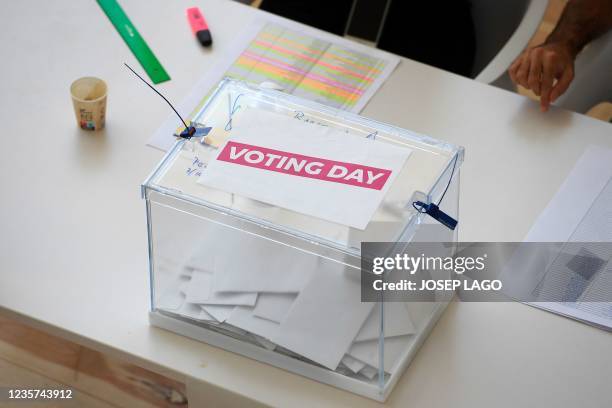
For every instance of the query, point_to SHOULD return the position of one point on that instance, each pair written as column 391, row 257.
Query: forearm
column 581, row 22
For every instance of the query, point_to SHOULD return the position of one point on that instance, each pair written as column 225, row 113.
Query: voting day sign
column 299, row 165
column 307, row 168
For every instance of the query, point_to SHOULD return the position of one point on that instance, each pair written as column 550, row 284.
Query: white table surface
column 73, row 239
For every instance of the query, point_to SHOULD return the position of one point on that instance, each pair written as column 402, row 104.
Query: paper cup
column 89, row 100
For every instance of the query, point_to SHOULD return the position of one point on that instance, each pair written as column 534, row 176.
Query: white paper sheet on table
column 162, row 139
column 352, row 205
column 589, row 185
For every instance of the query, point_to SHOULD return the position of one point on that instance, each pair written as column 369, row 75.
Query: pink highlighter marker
column 199, row 26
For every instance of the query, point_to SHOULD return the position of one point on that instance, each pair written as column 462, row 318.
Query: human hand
column 547, row 70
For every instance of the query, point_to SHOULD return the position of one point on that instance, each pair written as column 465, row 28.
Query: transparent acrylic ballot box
column 248, row 265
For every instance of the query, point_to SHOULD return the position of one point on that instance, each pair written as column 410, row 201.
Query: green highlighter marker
column 134, row 41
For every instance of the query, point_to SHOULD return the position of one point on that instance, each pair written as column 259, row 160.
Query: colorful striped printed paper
column 308, row 67
column 305, row 63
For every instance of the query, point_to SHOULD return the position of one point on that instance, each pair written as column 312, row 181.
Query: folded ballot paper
column 255, row 233
column 287, row 300
column 317, row 316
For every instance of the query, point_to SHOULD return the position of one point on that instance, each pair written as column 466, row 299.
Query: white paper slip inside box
column 352, row 364
column 264, row 342
column 368, row 351
column 274, row 306
column 325, row 317
column 219, row 312
column 193, row 311
column 368, row 372
column 261, row 266
column 200, row 290
column 243, row 318
column 397, row 322
column 311, row 169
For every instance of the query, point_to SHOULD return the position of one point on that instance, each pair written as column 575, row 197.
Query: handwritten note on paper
column 305, row 167
column 196, row 167
column 185, row 171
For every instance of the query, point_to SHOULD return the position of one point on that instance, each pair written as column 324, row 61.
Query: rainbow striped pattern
column 307, row 67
